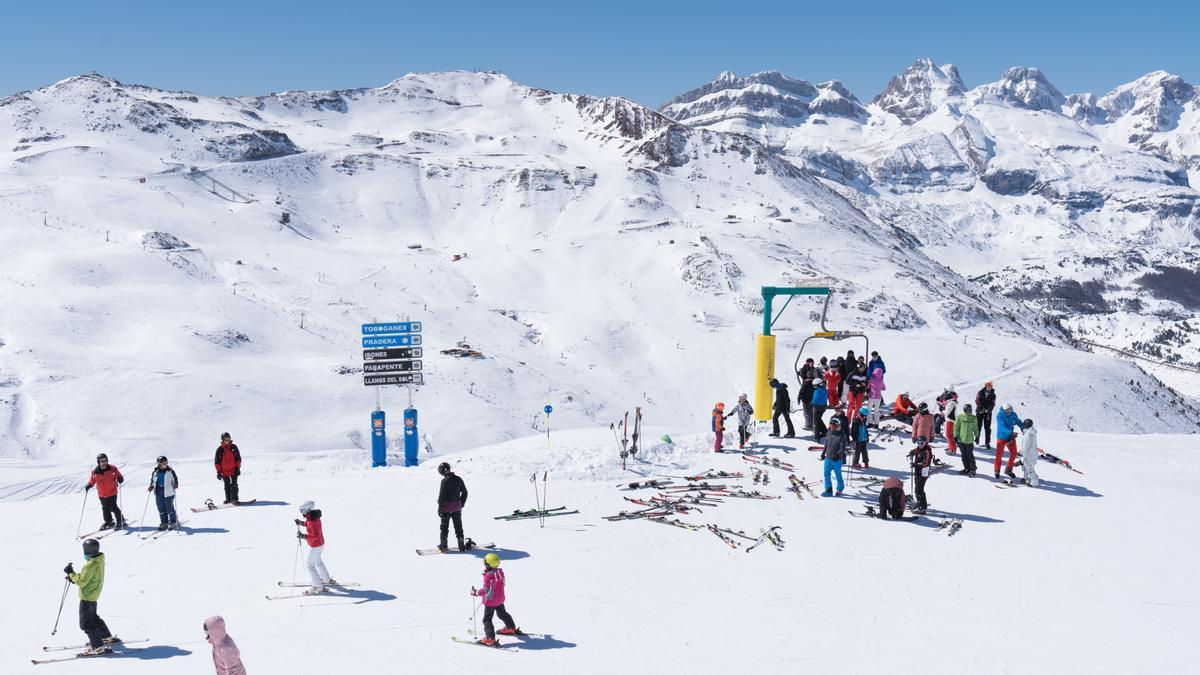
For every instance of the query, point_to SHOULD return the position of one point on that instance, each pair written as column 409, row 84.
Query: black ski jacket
column 985, row 401
column 783, row 400
column 453, row 493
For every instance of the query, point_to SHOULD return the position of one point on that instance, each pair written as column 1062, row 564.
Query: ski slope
column 1091, row 573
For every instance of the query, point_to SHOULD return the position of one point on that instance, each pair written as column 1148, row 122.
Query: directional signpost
column 392, row 355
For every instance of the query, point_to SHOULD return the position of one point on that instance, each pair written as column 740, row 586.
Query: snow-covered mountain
column 592, row 250
column 1035, row 193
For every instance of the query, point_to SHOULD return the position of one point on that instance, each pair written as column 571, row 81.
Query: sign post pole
column 391, row 355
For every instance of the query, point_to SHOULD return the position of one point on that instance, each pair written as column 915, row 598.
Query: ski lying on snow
column 288, row 584
column 434, row 551
column 527, row 515
column 496, row 648
column 645, row 484
column 118, row 641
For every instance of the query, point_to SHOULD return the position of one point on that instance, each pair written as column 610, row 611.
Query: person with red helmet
column 107, row 479
column 228, row 462
column 718, row 424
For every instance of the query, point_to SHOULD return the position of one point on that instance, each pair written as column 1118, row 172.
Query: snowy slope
column 1005, row 178
column 1034, row 573
column 608, row 250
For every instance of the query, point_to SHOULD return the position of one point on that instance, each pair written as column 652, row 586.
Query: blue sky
column 646, row 51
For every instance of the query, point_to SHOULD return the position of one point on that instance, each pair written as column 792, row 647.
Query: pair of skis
column 769, row 461
column 210, row 506
column 537, row 513
column 104, row 532
column 327, row 590
column 727, row 535
column 112, row 642
column 872, row 513
column 950, row 525
column 155, row 534
column 642, row 485
column 799, row 484
column 771, row 535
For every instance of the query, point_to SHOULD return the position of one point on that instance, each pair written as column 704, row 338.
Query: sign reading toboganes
column 391, row 354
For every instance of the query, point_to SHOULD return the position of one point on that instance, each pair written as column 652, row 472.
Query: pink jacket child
column 493, row 601
column 226, row 656
column 493, row 587
column 875, row 386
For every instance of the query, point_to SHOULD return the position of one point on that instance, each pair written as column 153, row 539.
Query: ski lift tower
column 764, row 366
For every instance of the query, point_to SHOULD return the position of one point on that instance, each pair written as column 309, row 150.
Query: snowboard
column 434, row 551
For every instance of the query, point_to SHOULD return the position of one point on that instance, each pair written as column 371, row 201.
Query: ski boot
column 462, row 546
column 106, row 526
column 838, row 493
column 162, row 527
column 315, row 591
column 442, row 548
column 96, row 651
column 509, row 631
column 1010, row 473
column 489, row 642
column 114, row 640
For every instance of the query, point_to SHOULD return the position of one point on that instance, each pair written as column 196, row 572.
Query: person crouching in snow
column 1029, row 453
column 314, row 535
column 834, row 456
column 226, row 656
column 718, row 424
column 891, row 499
column 493, row 601
column 744, row 412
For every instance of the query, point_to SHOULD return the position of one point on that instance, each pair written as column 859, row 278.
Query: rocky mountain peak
column 1026, row 88
column 919, row 90
column 767, row 96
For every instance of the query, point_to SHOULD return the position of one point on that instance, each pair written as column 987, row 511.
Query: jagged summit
column 1024, row 88
column 767, row 97
column 919, row 90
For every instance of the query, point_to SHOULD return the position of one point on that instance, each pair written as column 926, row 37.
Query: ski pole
column 82, row 508
column 545, row 504
column 296, row 563
column 145, row 507
column 66, row 585
column 533, row 481
column 474, row 610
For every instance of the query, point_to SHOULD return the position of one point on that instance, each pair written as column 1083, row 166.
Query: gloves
column 69, row 569
column 299, row 522
column 87, row 487
column 237, row 472
column 474, row 592
column 120, row 481
column 150, row 489
column 299, row 535
column 218, row 475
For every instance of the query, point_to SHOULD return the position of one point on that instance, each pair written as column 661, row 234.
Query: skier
column 857, row 387
column 966, row 430
column 921, row 458
column 783, row 406
column 90, row 581
column 452, row 497
column 859, row 433
column 163, row 483
column 493, row 601
column 744, row 412
column 985, row 403
column 820, row 403
column 107, row 478
column 833, row 382
column 846, row 368
column 876, row 363
column 904, row 410
column 834, row 455
column 718, row 424
column 1007, row 423
column 875, row 389
column 806, row 396
column 948, row 402
column 891, row 499
column 808, row 371
column 226, row 656
column 228, row 461
column 822, row 366
column 922, row 424
column 1029, row 453
column 314, row 536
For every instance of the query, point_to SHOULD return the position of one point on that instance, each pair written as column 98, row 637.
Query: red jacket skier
column 228, row 462
column 106, row 477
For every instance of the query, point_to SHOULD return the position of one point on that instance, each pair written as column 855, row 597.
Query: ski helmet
column 307, row 506
column 835, row 422
column 226, row 437
column 864, row 411
column 818, row 382
column 1008, row 407
column 967, row 408
column 161, row 458
column 1028, row 423
column 921, row 440
column 923, row 407
column 904, row 394
column 949, row 387
column 492, row 560
column 101, row 456
column 444, row 468
column 720, row 405
column 774, row 383
column 91, row 548
column 742, row 397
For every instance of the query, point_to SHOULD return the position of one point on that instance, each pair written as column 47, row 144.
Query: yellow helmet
column 492, row 560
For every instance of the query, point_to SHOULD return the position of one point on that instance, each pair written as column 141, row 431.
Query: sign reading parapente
column 392, row 367
column 403, row 378
column 392, row 354
column 391, row 328
column 392, row 341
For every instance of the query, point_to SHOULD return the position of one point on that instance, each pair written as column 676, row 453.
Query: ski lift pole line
column 764, row 366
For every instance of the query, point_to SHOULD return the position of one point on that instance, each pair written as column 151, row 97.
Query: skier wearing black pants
column 452, row 497
column 891, row 499
column 985, row 403
column 921, row 457
column 783, row 406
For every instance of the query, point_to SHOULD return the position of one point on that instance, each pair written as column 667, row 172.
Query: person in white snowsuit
column 745, row 413
column 1029, row 453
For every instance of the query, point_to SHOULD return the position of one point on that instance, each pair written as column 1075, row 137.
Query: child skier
column 744, row 412
column 228, row 461
column 948, row 405
column 493, row 601
column 314, row 536
column 875, row 389
column 164, row 483
column 226, row 656
column 1029, row 453
column 834, row 455
column 718, row 424
column 1007, row 423
column 820, row 402
column 921, row 458
column 922, row 424
column 859, row 433
column 90, row 581
column 107, row 478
